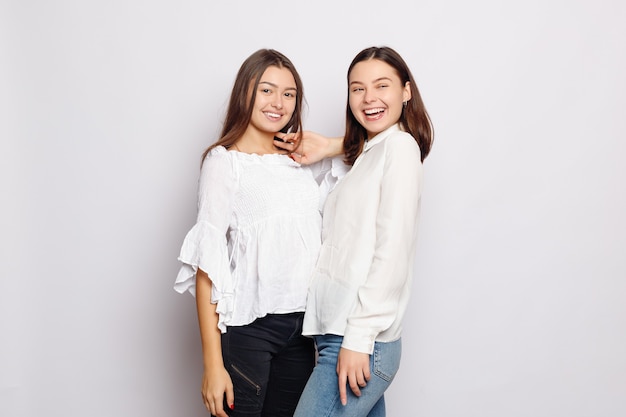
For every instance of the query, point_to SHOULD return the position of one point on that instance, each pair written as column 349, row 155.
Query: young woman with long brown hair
column 361, row 283
column 250, row 255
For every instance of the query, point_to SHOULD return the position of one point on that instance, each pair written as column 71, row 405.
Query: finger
column 205, row 400
column 216, row 406
column 343, row 396
column 292, row 137
column 285, row 137
column 361, row 380
column 296, row 157
column 230, row 397
column 219, row 410
column 280, row 136
column 354, row 386
column 279, row 139
column 366, row 373
column 282, row 143
column 285, row 146
column 210, row 406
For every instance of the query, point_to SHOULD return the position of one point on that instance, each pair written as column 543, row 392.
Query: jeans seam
column 331, row 407
column 377, row 371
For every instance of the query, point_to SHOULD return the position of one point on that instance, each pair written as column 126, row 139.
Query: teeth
column 273, row 114
column 374, row 111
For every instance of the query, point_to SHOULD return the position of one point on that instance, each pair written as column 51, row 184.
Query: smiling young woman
column 250, row 255
column 361, row 284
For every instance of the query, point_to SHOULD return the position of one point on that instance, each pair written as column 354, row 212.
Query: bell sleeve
column 205, row 246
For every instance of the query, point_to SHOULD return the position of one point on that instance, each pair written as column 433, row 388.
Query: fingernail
column 232, row 406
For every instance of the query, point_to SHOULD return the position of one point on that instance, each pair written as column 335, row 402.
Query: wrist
column 213, row 358
column 213, row 363
column 335, row 147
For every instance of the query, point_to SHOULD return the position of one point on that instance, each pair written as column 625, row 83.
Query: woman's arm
column 215, row 380
column 311, row 147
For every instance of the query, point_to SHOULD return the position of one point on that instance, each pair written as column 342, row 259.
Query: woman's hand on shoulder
column 216, row 383
column 309, row 147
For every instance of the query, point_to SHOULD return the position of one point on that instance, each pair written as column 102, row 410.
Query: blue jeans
column 321, row 394
column 269, row 362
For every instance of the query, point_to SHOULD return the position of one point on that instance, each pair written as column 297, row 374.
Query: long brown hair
column 239, row 110
column 414, row 118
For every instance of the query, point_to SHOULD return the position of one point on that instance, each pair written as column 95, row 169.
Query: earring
column 404, row 103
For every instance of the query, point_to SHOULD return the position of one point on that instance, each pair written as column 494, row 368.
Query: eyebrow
column 375, row 81
column 275, row 86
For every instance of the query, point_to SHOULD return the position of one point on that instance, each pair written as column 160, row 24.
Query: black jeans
column 269, row 362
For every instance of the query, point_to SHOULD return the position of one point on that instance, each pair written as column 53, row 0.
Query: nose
column 278, row 101
column 369, row 96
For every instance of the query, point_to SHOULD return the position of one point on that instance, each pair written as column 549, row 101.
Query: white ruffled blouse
column 258, row 232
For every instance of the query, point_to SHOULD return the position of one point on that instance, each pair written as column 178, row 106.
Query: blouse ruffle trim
column 272, row 158
column 205, row 247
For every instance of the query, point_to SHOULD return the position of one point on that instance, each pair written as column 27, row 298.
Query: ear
column 406, row 94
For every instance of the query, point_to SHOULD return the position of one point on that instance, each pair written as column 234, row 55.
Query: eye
column 382, row 86
column 290, row 95
column 357, row 89
column 266, row 90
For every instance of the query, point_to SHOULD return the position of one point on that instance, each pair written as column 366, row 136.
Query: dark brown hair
column 414, row 118
column 240, row 107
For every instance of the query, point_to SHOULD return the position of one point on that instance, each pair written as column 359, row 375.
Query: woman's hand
column 353, row 368
column 215, row 383
column 308, row 147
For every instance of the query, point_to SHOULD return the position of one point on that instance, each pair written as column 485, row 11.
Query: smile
column 273, row 115
column 371, row 112
column 374, row 114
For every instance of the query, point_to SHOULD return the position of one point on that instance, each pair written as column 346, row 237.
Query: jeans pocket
column 386, row 359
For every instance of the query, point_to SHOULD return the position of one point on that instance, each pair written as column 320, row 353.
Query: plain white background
column 519, row 306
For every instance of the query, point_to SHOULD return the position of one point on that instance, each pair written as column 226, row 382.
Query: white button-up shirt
column 362, row 279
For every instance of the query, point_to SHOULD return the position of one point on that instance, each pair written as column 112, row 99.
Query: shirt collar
column 381, row 136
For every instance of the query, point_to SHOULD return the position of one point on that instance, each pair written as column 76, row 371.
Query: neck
column 256, row 141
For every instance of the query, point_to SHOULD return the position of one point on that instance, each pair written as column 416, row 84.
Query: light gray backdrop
column 519, row 306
